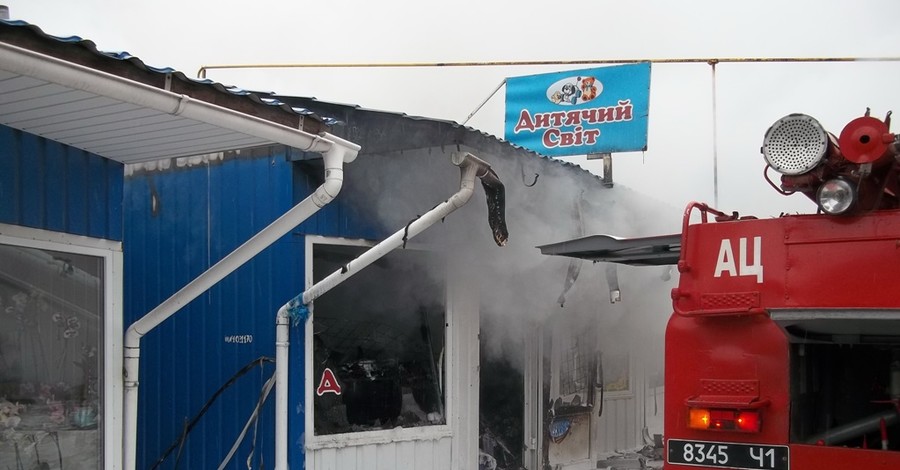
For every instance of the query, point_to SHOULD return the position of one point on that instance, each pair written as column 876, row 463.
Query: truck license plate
column 728, row 455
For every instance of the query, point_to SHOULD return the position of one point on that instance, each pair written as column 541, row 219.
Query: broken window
column 578, row 363
column 51, row 323
column 576, row 370
column 616, row 372
column 379, row 342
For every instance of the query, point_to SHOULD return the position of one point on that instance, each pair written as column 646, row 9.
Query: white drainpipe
column 335, row 151
column 282, row 346
column 341, row 152
column 470, row 167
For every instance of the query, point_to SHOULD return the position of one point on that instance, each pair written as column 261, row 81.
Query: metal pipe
column 340, row 152
column 855, row 429
column 514, row 63
column 470, row 167
column 282, row 347
column 894, row 387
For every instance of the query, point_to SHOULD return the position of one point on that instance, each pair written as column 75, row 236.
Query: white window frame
column 113, row 323
column 628, row 392
column 421, row 433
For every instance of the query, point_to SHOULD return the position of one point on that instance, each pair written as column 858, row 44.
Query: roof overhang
column 845, row 326
column 122, row 119
column 646, row 251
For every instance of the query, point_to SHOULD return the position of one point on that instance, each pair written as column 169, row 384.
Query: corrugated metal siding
column 423, row 454
column 202, row 213
column 620, row 427
column 47, row 185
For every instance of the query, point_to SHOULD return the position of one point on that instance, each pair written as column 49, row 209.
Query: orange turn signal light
column 724, row 420
column 698, row 418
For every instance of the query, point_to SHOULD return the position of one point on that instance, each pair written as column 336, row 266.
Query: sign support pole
column 607, row 167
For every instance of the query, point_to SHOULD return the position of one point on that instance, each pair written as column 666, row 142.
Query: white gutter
column 470, row 167
column 50, row 69
column 335, row 151
column 340, row 152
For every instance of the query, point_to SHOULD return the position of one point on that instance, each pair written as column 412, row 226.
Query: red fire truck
column 783, row 350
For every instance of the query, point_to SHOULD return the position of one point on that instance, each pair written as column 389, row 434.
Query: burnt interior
column 500, row 417
column 381, row 335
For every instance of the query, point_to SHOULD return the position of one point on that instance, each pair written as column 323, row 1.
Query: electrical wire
column 184, row 430
column 201, row 73
column 255, row 439
column 262, row 399
column 187, row 429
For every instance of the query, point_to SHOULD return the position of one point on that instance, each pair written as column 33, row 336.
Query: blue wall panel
column 10, row 175
column 32, row 185
column 47, row 185
column 179, row 222
column 55, row 178
column 76, row 194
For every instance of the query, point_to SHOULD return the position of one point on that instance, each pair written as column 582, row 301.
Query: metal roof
column 131, row 133
column 125, row 130
column 341, row 114
column 645, row 251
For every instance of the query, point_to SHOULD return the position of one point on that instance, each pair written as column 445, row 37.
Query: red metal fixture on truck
column 783, row 351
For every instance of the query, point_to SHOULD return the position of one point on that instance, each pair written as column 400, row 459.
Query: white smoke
column 520, row 287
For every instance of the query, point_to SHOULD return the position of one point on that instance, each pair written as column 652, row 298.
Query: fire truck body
column 783, row 350
column 783, row 345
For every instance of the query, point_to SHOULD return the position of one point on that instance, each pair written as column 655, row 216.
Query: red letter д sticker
column 328, row 384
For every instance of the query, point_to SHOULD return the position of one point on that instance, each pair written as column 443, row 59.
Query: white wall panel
column 416, row 454
column 452, row 446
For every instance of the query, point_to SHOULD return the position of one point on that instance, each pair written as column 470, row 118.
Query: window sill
column 618, row 395
column 425, row 433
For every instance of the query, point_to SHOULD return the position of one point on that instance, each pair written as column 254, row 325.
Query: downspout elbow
column 334, row 181
column 470, row 168
column 466, row 186
column 341, row 151
column 132, row 337
column 131, row 358
column 293, row 310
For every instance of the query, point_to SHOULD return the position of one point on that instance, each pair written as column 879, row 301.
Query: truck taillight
column 724, row 420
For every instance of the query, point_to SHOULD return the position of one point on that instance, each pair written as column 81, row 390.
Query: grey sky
column 677, row 167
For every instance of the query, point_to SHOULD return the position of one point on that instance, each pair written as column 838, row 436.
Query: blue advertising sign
column 599, row 110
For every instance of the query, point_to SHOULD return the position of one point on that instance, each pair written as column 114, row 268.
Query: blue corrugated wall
column 179, row 222
column 51, row 186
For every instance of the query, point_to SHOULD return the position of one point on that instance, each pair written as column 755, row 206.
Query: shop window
column 578, row 363
column 616, row 372
column 379, row 342
column 51, row 323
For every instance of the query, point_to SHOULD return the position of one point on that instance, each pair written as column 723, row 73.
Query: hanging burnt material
column 571, row 276
column 574, row 264
column 496, row 202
